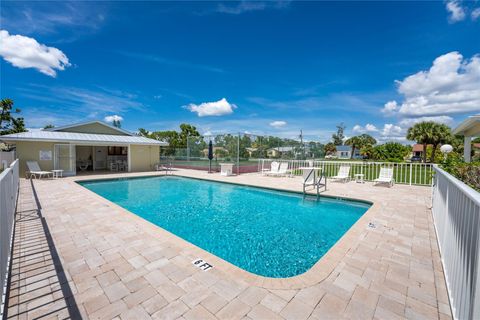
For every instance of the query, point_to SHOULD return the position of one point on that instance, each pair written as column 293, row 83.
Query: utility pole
column 301, row 143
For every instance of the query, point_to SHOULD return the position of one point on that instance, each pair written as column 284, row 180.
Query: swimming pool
column 269, row 233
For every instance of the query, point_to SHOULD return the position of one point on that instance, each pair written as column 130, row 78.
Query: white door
column 65, row 159
column 101, row 158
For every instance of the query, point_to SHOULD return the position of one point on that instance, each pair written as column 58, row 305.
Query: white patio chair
column 385, row 176
column 274, row 166
column 343, row 174
column 282, row 170
column 113, row 166
column 34, row 170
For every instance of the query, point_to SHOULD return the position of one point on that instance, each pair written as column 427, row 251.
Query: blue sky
column 258, row 67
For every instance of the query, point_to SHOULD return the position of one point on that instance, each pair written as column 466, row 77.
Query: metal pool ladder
column 313, row 179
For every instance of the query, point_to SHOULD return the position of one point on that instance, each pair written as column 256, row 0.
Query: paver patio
column 118, row 265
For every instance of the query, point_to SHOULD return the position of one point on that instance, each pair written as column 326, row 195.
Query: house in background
column 87, row 146
column 217, row 152
column 278, row 152
column 345, row 152
column 417, row 150
column 292, row 152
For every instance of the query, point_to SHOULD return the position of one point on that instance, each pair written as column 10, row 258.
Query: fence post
column 238, row 154
column 410, row 179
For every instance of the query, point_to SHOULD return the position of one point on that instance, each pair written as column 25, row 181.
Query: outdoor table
column 359, row 178
column 226, row 169
column 57, row 173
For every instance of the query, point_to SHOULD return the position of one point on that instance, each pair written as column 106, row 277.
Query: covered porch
column 101, row 158
column 469, row 128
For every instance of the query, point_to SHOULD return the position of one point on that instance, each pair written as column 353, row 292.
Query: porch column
column 467, row 149
column 129, row 159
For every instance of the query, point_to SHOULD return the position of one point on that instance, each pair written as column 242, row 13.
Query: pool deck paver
column 121, row 266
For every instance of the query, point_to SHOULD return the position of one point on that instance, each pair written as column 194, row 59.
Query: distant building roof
column 417, row 147
column 80, row 138
column 283, row 149
column 344, row 148
column 79, row 124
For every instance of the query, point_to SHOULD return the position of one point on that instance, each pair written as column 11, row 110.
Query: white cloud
column 217, row 108
column 112, row 118
column 475, row 14
column 391, row 130
column 247, row 6
column 157, row 97
column 408, row 122
column 25, row 52
column 451, row 85
column 390, row 108
column 368, row 128
column 278, row 124
column 457, row 12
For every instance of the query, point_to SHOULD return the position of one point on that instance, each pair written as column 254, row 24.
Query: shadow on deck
column 38, row 285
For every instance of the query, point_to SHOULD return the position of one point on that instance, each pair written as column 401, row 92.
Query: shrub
column 468, row 173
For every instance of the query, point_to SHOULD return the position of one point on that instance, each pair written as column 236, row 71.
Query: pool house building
column 85, row 147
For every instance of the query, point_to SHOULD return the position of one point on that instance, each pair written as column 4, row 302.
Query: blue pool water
column 269, row 233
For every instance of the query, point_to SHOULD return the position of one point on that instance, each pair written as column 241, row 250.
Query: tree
column 441, row 134
column 366, row 151
column 354, row 142
column 48, row 126
column 116, row 123
column 429, row 132
column 358, row 142
column 330, row 149
column 187, row 130
column 422, row 133
column 391, row 151
column 339, row 136
column 175, row 140
column 366, row 139
column 8, row 122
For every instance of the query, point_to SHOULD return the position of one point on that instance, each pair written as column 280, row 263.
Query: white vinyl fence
column 8, row 203
column 404, row 173
column 456, row 213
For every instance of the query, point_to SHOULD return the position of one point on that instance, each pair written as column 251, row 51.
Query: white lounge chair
column 343, row 174
column 34, row 170
column 274, row 166
column 385, row 176
column 282, row 170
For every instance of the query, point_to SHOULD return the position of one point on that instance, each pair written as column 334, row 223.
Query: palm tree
column 354, row 142
column 367, row 139
column 330, row 148
column 367, row 151
column 441, row 134
column 422, row 133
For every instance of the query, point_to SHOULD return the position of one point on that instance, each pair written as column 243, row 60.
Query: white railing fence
column 456, row 213
column 404, row 173
column 8, row 202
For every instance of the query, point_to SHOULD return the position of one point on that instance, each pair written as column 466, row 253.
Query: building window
column 117, row 151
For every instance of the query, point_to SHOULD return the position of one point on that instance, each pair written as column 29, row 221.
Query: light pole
column 446, row 149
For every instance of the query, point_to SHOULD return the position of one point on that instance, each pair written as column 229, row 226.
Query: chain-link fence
column 242, row 150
